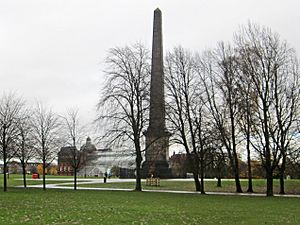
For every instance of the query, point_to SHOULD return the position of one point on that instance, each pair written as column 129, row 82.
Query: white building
column 98, row 161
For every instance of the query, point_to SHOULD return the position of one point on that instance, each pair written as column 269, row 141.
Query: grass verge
column 17, row 180
column 35, row 206
column 259, row 186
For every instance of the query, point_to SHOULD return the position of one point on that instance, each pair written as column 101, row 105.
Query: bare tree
column 271, row 66
column 74, row 134
column 187, row 113
column 125, row 99
column 181, row 88
column 45, row 130
column 247, row 98
column 286, row 105
column 10, row 109
column 24, row 142
column 219, row 75
column 219, row 162
column 293, row 163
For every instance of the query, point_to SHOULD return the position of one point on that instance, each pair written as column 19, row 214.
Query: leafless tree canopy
column 73, row 133
column 46, row 134
column 10, row 111
column 250, row 89
column 124, row 102
column 24, row 144
column 187, row 113
column 125, row 96
column 272, row 68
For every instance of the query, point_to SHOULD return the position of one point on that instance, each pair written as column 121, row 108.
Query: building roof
column 88, row 146
column 66, row 150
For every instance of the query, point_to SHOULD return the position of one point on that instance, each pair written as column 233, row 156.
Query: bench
column 152, row 181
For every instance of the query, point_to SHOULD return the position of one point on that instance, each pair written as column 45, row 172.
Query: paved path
column 68, row 185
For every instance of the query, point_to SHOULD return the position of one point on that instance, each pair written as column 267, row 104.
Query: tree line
column 36, row 133
column 242, row 95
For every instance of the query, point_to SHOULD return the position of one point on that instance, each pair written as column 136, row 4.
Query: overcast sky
column 53, row 50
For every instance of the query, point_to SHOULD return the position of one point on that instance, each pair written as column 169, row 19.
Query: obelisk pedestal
column 157, row 136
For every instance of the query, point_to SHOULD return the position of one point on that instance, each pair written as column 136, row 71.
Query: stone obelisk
column 157, row 136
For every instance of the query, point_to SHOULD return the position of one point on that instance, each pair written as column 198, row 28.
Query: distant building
column 95, row 162
column 179, row 165
column 65, row 161
column 15, row 167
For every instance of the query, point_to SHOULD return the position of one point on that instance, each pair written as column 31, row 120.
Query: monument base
column 156, row 169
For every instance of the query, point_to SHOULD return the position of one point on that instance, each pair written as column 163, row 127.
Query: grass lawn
column 259, row 186
column 35, row 206
column 17, row 180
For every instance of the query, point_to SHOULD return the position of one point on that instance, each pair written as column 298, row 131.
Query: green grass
column 259, row 186
column 16, row 180
column 34, row 206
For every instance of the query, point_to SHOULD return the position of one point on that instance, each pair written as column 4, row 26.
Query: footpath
column 68, row 185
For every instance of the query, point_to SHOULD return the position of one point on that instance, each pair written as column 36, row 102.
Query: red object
column 35, row 176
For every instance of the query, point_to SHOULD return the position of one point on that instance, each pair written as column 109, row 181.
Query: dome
column 88, row 139
column 88, row 146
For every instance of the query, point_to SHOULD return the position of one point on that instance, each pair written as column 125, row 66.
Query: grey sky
column 53, row 50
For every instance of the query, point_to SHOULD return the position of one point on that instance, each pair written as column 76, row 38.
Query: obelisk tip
column 157, row 10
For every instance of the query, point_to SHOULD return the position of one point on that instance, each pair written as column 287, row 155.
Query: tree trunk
column 75, row 178
column 202, row 176
column 281, row 179
column 4, row 162
column 24, row 173
column 268, row 160
column 4, row 174
column 236, row 174
column 250, row 189
column 138, row 184
column 219, row 184
column 282, row 172
column 202, row 183
column 233, row 160
column 197, row 182
column 237, row 183
column 194, row 160
column 236, row 162
column 269, row 183
column 44, row 174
